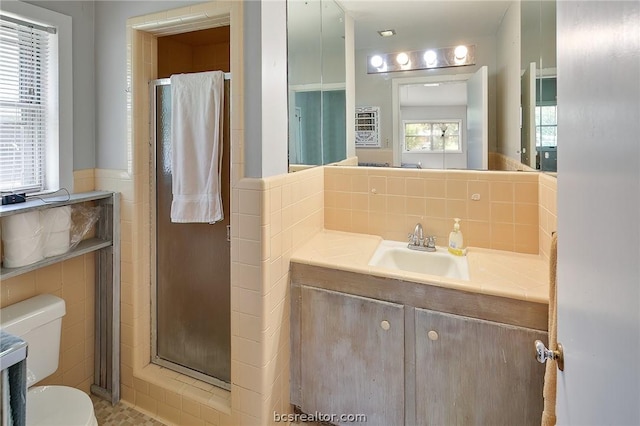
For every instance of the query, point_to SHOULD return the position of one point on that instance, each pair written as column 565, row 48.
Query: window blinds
column 24, row 91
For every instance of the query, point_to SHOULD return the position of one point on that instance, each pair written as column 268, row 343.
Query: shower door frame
column 155, row 359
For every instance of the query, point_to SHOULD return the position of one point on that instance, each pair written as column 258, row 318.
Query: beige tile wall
column 271, row 218
column 72, row 280
column 498, row 161
column 547, row 211
column 84, row 180
column 161, row 393
column 389, row 202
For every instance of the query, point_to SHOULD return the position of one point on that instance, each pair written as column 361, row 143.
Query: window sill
column 432, row 152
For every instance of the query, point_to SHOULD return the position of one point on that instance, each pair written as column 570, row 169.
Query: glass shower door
column 192, row 270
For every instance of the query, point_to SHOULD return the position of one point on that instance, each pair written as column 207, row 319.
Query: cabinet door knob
column 385, row 325
column 432, row 335
column 543, row 354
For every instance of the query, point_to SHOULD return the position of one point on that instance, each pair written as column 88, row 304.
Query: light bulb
column 460, row 52
column 376, row 61
column 430, row 57
column 402, row 58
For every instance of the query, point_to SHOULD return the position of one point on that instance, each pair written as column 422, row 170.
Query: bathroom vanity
column 412, row 349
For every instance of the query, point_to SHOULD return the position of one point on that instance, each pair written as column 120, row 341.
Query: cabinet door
column 475, row 372
column 352, row 357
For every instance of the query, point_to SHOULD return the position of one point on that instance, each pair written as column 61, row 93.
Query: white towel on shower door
column 196, row 121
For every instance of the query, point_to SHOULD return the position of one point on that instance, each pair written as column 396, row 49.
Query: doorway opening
column 190, row 262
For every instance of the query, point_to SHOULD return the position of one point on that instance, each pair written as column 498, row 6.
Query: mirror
column 539, row 102
column 440, row 122
column 316, row 79
column 432, row 117
column 494, row 27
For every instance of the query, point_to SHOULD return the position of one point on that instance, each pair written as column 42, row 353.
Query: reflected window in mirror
column 546, row 124
column 432, row 136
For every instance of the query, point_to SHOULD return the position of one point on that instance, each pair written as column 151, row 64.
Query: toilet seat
column 59, row 405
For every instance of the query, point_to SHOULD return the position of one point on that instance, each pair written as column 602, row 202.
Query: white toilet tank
column 38, row 321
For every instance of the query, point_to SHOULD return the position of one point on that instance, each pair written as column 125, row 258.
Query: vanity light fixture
column 402, row 58
column 442, row 57
column 376, row 61
column 460, row 52
column 431, row 58
column 387, row 33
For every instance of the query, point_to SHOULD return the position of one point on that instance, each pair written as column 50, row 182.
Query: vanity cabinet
column 408, row 353
column 349, row 356
column 475, row 372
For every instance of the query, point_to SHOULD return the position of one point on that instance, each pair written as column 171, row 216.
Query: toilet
column 38, row 321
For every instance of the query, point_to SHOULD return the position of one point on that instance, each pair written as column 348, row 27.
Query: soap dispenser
column 456, row 241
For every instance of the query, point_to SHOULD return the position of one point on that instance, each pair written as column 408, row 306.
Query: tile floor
column 120, row 414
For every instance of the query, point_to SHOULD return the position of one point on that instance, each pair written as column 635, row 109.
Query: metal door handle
column 543, row 354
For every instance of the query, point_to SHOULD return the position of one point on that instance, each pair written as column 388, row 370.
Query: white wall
column 350, row 84
column 598, row 212
column 265, row 88
column 508, row 83
column 110, row 77
column 265, row 82
column 538, row 29
column 433, row 160
column 82, row 15
column 312, row 66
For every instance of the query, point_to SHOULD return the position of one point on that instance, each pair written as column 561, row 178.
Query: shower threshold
column 191, row 373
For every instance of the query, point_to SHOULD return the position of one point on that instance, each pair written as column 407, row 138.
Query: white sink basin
column 396, row 255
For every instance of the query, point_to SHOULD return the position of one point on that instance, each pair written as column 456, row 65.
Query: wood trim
column 475, row 305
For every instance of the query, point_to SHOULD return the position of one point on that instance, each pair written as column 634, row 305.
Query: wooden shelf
column 84, row 247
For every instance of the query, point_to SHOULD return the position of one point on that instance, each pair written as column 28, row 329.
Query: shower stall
column 190, row 263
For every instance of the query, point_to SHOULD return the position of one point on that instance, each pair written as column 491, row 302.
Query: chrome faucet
column 417, row 238
column 417, row 241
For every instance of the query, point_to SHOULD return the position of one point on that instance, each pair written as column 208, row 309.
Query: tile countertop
column 494, row 272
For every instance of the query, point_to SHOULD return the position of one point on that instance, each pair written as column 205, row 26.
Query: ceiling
column 420, row 18
column 444, row 94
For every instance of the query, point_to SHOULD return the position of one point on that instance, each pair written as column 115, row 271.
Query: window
column 546, row 125
column 432, row 136
column 36, row 99
column 24, row 104
column 546, row 112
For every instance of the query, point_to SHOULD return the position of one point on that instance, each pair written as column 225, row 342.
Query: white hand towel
column 196, row 121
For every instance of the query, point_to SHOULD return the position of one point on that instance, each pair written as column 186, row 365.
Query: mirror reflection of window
column 546, row 112
column 426, row 136
column 546, row 125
